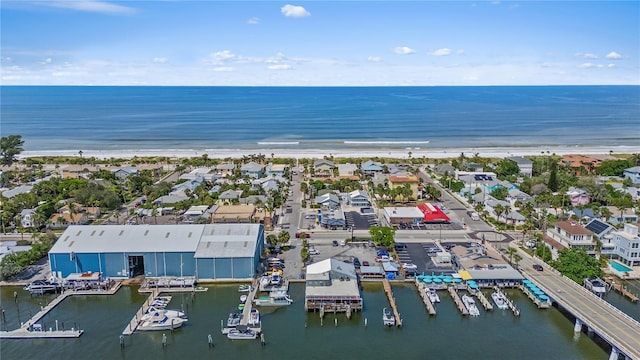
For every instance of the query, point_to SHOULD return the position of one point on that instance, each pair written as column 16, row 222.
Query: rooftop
column 404, row 212
column 573, row 228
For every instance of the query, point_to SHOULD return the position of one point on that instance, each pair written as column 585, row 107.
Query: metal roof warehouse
column 213, row 251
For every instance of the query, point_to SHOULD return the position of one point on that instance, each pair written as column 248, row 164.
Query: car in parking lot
column 356, row 262
column 313, row 251
column 538, row 267
column 343, row 243
column 334, row 243
column 365, row 263
column 408, row 266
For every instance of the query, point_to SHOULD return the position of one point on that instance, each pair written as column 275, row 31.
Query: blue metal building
column 215, row 251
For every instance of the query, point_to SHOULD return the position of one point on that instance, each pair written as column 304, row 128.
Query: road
column 610, row 323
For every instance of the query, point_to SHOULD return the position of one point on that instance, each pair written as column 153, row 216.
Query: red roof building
column 433, row 214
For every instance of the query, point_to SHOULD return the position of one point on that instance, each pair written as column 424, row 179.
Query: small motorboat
column 433, row 296
column 470, row 304
column 242, row 333
column 254, row 317
column 157, row 321
column 596, row 285
column 234, row 319
column 243, row 298
column 387, row 317
column 275, row 279
column 500, row 299
column 43, row 286
column 240, row 307
column 245, row 288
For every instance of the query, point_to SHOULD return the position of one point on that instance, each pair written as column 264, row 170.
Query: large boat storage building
column 213, row 251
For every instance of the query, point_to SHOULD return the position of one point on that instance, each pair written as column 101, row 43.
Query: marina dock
column 483, row 300
column 510, row 303
column 423, row 291
column 248, row 305
column 135, row 321
column 621, row 289
column 456, row 298
column 530, row 295
column 392, row 301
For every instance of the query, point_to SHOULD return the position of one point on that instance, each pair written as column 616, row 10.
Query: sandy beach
column 488, row 152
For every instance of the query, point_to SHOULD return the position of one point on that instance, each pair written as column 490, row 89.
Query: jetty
column 392, row 301
column 423, row 290
column 483, row 300
column 135, row 321
column 248, row 305
column 618, row 287
column 456, row 298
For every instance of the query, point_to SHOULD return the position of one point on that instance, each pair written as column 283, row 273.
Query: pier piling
column 210, row 340
column 164, row 340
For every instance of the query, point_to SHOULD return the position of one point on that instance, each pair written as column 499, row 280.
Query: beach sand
column 488, row 152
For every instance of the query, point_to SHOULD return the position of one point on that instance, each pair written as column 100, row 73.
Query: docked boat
column 276, row 279
column 242, row 333
column 596, row 286
column 43, row 286
column 275, row 298
column 254, row 317
column 470, row 304
column 160, row 322
column 500, row 299
column 234, row 319
column 161, row 302
column 243, row 299
column 387, row 317
column 433, row 296
column 245, row 288
column 170, row 313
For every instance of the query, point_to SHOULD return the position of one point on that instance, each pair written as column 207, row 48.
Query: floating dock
column 135, row 321
column 621, row 289
column 456, row 298
column 392, row 301
column 423, row 290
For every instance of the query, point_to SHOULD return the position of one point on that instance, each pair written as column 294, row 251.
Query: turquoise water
column 292, row 333
column 619, row 267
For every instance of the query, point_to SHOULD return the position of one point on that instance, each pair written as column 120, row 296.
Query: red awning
column 433, row 214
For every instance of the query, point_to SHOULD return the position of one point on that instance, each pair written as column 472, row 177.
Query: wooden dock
column 248, row 305
column 456, row 298
column 392, row 301
column 483, row 300
column 510, row 303
column 135, row 321
column 618, row 287
column 423, row 290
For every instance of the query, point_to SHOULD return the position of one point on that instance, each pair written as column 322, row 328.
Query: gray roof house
column 358, row 198
column 525, row 165
column 22, row 189
column 252, row 169
column 124, row 172
column 26, row 217
column 171, row 198
column 442, row 169
column 230, row 195
column 225, row 169
column 347, row 169
column 329, row 200
column 323, row 167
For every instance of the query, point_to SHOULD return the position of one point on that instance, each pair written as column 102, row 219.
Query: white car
column 407, row 266
column 313, row 251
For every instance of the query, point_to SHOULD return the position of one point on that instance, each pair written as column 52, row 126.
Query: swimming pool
column 619, row 267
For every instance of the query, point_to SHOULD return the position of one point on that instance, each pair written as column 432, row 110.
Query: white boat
column 254, row 317
column 387, row 317
column 234, row 319
column 596, row 286
column 245, row 288
column 470, row 304
column 275, row 298
column 275, row 279
column 161, row 301
column 170, row 313
column 433, row 296
column 160, row 322
column 43, row 286
column 242, row 333
column 500, row 299
column 243, row 299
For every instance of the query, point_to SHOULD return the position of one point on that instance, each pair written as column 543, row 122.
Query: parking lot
column 360, row 221
column 418, row 254
column 346, row 253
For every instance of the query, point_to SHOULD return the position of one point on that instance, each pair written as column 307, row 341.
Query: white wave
column 278, row 142
column 353, row 142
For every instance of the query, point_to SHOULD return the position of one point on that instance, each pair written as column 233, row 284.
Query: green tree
column 283, row 237
column 272, row 239
column 553, row 177
column 576, row 264
column 506, row 168
column 10, row 148
column 382, row 235
column 512, row 252
column 516, row 259
column 500, row 193
column 543, row 252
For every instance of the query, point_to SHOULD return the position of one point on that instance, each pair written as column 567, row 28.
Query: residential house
column 515, row 195
column 225, row 170
column 22, row 189
column 442, row 169
column 174, row 197
column 578, row 196
column 190, row 185
column 491, row 203
column 601, row 229
column 93, row 212
column 632, row 173
column 254, row 199
column 62, row 221
column 329, row 200
column 358, row 198
column 276, row 170
column 371, row 167
column 347, row 169
column 230, row 195
column 627, row 245
column 569, row 234
column 323, row 168
column 582, row 214
column 513, row 218
column 494, row 184
column 398, row 169
column 195, row 212
column 267, row 184
column 396, row 181
column 525, row 165
column 154, row 169
column 471, row 166
column 78, row 171
column 204, row 173
column 252, row 170
column 234, row 214
column 625, row 216
column 215, row 189
column 580, row 164
column 27, row 218
column 124, row 172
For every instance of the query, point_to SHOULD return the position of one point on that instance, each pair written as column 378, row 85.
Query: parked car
column 371, row 243
column 313, row 251
column 298, row 234
column 365, row 263
column 538, row 267
column 334, row 243
column 343, row 243
column 408, row 266
column 356, row 262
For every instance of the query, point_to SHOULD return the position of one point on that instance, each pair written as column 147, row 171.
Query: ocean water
column 137, row 118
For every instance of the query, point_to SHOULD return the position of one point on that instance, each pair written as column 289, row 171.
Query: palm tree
column 154, row 213
column 516, row 258
column 512, row 252
column 605, row 213
column 499, row 210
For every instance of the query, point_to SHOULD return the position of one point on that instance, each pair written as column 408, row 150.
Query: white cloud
column 223, row 69
column 403, row 50
column 587, row 55
column 460, row 51
column 46, row 61
column 294, row 11
column 441, row 52
column 279, row 67
column 160, row 60
column 591, row 65
column 611, row 65
column 90, row 6
column 253, row 21
column 613, row 56
column 7, row 59
column 374, row 59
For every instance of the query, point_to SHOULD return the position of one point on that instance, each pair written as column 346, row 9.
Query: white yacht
column 275, row 298
column 152, row 310
column 433, row 296
column 43, row 286
column 242, row 333
column 500, row 299
column 254, row 317
column 160, row 322
column 596, row 286
column 387, row 317
column 470, row 304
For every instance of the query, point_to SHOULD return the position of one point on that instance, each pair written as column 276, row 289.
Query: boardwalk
column 392, row 301
column 614, row 326
column 248, row 305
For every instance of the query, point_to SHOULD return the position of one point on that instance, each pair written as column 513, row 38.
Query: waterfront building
column 569, row 234
column 626, row 244
column 371, row 167
column 215, row 251
column 359, row 198
column 226, row 169
column 252, row 170
column 323, row 168
column 632, row 173
column 525, row 165
column 124, row 172
column 276, row 169
column 396, row 181
column 345, row 170
column 333, row 285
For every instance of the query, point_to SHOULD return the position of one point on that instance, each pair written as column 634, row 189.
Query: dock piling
column 164, row 340
column 122, row 341
column 210, row 340
column 335, row 321
column 365, row 322
column 262, row 340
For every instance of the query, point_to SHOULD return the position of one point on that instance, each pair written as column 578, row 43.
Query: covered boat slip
column 216, row 251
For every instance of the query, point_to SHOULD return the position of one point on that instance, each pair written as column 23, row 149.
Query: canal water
column 291, row 333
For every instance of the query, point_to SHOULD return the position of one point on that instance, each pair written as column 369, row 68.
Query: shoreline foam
column 488, row 152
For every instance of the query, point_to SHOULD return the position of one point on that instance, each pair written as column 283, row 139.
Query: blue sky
column 356, row 43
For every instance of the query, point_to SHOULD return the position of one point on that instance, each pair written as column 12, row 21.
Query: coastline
column 434, row 153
